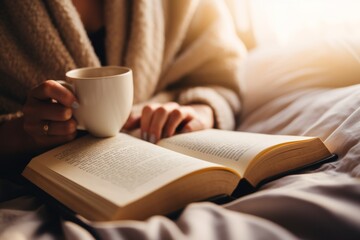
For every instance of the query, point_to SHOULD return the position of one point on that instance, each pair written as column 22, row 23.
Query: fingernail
column 152, row 138
column 75, row 105
column 144, row 136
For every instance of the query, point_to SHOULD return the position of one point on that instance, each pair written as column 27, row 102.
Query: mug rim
column 127, row 71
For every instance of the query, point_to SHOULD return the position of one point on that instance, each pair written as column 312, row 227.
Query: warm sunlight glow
column 284, row 21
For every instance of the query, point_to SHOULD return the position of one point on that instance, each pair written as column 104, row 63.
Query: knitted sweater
column 180, row 50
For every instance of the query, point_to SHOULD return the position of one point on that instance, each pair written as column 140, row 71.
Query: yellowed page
column 121, row 168
column 229, row 148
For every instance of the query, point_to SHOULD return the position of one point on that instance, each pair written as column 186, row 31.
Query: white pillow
column 270, row 73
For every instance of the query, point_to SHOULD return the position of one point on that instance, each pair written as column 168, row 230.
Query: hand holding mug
column 48, row 114
column 98, row 100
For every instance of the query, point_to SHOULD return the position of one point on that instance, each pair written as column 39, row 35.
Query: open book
column 124, row 177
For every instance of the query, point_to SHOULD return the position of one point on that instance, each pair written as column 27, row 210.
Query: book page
column 230, row 148
column 121, row 168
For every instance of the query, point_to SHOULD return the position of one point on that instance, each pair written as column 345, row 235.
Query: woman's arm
column 200, row 73
column 206, row 68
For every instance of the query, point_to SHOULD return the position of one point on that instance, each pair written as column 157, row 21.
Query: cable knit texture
column 187, row 45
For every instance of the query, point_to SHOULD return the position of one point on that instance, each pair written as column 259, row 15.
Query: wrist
column 207, row 113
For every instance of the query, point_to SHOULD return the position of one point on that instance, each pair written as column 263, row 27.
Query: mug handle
column 72, row 89
column 67, row 85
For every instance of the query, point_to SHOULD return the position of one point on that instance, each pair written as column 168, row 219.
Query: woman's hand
column 48, row 114
column 158, row 121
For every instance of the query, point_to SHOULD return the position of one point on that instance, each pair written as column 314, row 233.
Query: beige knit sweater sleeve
column 191, row 50
column 213, row 42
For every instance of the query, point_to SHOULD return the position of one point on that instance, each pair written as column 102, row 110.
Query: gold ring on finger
column 45, row 128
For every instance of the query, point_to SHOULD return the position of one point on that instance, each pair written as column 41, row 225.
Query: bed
column 306, row 89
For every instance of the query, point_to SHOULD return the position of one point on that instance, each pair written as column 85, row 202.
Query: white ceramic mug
column 105, row 96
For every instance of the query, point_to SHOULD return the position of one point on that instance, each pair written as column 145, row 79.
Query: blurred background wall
column 281, row 22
